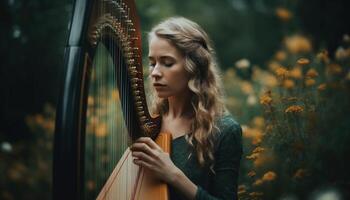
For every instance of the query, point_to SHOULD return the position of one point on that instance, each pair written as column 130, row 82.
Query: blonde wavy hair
column 205, row 83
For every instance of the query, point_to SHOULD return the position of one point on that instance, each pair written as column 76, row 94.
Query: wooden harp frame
column 88, row 28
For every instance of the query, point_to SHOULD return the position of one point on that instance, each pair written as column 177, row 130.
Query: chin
column 162, row 95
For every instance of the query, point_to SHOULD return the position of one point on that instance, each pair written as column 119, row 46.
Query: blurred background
column 285, row 67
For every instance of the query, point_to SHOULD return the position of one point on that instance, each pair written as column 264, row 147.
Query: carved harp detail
column 104, row 44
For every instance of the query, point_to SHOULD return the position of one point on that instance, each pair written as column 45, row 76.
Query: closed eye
column 168, row 64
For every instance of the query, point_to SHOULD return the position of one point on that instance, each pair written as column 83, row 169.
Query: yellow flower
column 300, row 173
column 294, row 109
column 266, row 98
column 334, row 69
column 258, row 121
column 303, row 61
column 263, row 159
column 39, row 119
column 269, row 176
column 280, row 55
column 247, row 87
column 230, row 73
column 296, row 73
column 292, row 98
column 310, row 82
column 242, row 189
column 312, row 73
column 273, row 65
column 298, row 44
column 101, row 130
column 251, row 174
column 258, row 182
column 283, row 14
column 322, row 87
column 242, row 63
column 258, row 150
column 252, row 133
column 281, row 72
column 288, row 84
column 115, row 95
column 323, row 56
column 253, row 156
column 342, row 53
column 256, row 194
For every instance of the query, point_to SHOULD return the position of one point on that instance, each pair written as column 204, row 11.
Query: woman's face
column 168, row 75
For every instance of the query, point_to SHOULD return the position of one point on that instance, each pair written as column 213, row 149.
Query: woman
column 206, row 145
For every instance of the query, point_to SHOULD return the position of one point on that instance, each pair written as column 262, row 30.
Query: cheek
column 180, row 82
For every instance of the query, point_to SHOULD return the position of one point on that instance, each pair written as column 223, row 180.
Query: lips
column 158, row 85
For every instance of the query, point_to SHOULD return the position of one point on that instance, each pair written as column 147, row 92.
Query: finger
column 142, row 156
column 149, row 142
column 142, row 147
column 143, row 164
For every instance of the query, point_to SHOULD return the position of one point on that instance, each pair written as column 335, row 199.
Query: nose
column 156, row 72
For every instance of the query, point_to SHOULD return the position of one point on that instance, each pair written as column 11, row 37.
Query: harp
column 102, row 108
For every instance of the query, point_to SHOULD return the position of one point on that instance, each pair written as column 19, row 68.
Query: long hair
column 205, row 83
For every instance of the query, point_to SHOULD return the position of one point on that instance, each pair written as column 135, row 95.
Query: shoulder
column 229, row 131
column 226, row 124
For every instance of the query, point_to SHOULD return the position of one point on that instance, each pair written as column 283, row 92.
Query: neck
column 180, row 106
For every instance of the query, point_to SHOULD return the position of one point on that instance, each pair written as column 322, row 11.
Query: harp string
column 107, row 137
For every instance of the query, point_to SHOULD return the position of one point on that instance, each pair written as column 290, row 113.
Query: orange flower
column 251, row 174
column 342, row 53
column 334, row 69
column 253, row 156
column 322, row 87
column 298, row 44
column 256, row 194
column 311, row 73
column 323, row 56
column 258, row 150
column 242, row 189
column 258, row 182
column 252, row 133
column 101, row 130
column 269, row 176
column 263, row 159
column 300, row 173
column 266, row 99
column 292, row 98
column 247, row 87
column 283, row 14
column 258, row 121
column 294, row 109
column 281, row 72
column 296, row 73
column 273, row 65
column 310, row 82
column 288, row 84
column 280, row 55
column 303, row 61
column 115, row 95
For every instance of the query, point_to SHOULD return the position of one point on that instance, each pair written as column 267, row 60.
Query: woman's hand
column 149, row 155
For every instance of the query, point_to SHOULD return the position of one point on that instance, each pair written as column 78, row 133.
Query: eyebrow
column 162, row 57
